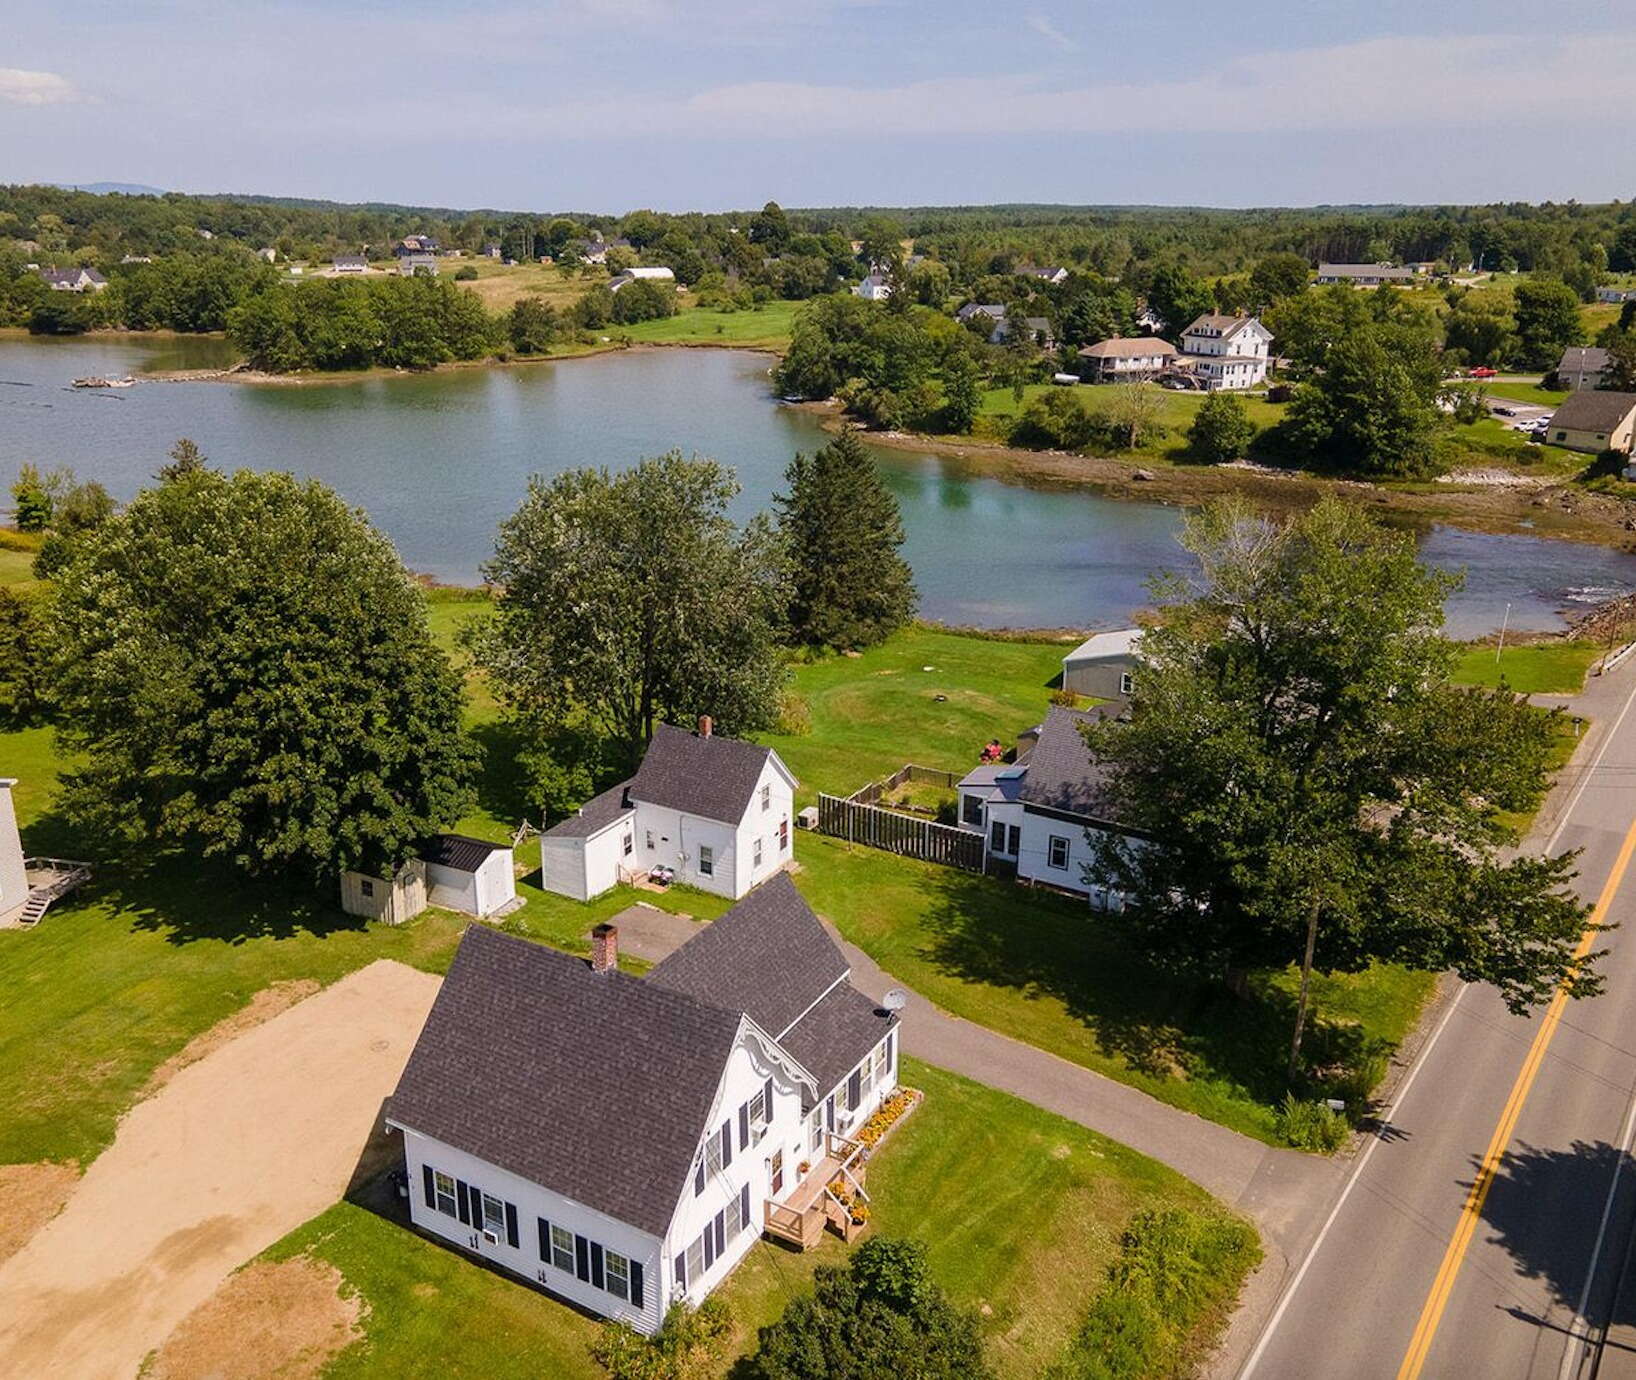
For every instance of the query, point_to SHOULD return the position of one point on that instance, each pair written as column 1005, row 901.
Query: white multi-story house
column 1038, row 813
column 875, row 288
column 716, row 811
column 1127, row 359
column 624, row 1141
column 1227, row 352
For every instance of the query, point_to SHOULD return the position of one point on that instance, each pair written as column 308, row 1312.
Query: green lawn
column 1544, row 668
column 764, row 327
column 1021, row 1210
column 16, row 563
column 1521, row 392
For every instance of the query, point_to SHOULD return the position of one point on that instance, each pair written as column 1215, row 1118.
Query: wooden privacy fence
column 857, row 822
column 869, row 794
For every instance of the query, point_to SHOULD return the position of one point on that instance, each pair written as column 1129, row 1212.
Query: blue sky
column 609, row 105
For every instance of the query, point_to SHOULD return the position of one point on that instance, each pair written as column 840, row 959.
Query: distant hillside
column 111, row 188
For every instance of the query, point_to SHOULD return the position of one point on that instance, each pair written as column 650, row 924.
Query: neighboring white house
column 1581, row 366
column 1052, row 275
column 1615, row 294
column 1364, row 275
column 632, row 275
column 1035, row 814
column 73, row 279
column 448, row 870
column 624, row 1141
column 1227, row 352
column 715, row 810
column 411, row 264
column 13, row 874
column 995, row 311
column 1102, row 665
column 1126, row 359
column 350, row 263
column 874, row 288
column 1595, row 420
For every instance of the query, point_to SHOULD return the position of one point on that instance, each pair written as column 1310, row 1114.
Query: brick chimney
column 705, row 725
column 604, row 948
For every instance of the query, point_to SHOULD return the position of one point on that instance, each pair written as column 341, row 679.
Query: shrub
column 687, row 1346
column 466, row 274
column 794, row 715
column 1311, row 1125
column 1066, row 699
column 1058, row 420
column 1222, row 430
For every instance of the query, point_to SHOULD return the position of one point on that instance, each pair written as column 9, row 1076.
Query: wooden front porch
column 812, row 1204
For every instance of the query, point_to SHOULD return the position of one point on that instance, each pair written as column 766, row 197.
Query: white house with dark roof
column 623, row 1141
column 1582, row 366
column 717, row 811
column 1227, row 352
column 454, row 871
column 1127, row 359
column 1037, row 814
column 874, row 288
column 73, row 279
column 1052, row 273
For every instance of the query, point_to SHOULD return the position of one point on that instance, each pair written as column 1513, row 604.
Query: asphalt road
column 1482, row 1232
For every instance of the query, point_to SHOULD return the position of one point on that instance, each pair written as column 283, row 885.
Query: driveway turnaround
column 237, row 1150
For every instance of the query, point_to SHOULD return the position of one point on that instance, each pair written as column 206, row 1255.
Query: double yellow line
column 1437, row 1300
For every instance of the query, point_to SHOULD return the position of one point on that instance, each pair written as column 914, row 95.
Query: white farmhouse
column 1227, row 352
column 1035, row 814
column 716, row 811
column 874, row 288
column 73, row 279
column 624, row 1141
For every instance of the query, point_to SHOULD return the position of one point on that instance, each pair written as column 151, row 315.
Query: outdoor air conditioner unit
column 808, row 818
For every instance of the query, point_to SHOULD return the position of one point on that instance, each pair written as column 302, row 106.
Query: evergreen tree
column 962, row 395
column 842, row 530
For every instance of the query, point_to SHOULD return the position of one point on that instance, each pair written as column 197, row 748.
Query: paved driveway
column 236, row 1151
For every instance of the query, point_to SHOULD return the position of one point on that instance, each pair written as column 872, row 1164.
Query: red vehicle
column 1482, row 371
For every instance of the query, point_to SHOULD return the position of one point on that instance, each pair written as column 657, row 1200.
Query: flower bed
column 890, row 1112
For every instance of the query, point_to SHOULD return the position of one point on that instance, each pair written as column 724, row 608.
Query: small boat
column 96, row 381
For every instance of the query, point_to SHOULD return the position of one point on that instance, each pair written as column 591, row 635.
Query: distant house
column 637, row 275
column 874, row 288
column 449, row 870
column 1150, row 321
column 350, row 263
column 491, row 250
column 137, row 259
column 1615, row 295
column 1364, row 275
column 411, row 245
column 716, row 811
column 1582, row 366
column 1052, row 275
column 1593, row 420
column 590, row 251
column 1227, row 352
column 1128, row 359
column 411, row 264
column 624, row 1142
column 1038, row 329
column 1102, row 665
column 1421, row 267
column 269, row 254
column 995, row 311
column 1037, row 814
column 73, row 279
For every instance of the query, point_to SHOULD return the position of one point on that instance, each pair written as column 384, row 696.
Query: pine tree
column 842, row 530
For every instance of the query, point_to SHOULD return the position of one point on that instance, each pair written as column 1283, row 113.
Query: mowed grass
column 1545, row 668
column 1521, row 392
column 765, row 327
column 1021, row 1212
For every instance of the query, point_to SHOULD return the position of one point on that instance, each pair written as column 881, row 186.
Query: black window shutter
column 829, row 1112
column 431, row 1190
column 596, row 1266
column 681, row 1269
column 744, row 1203
column 721, row 1231
column 582, row 1258
column 462, row 1201
column 891, row 1048
column 545, row 1241
column 743, row 1125
column 511, row 1225
column 698, row 1178
column 767, row 1095
column 854, row 1090
column 709, row 1246
column 636, row 1284
column 726, row 1144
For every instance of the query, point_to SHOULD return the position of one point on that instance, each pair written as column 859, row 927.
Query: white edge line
column 1420, row 1062
column 1576, row 1344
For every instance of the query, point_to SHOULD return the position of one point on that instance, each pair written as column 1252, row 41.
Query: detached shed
column 1102, row 665
column 581, row 855
column 467, row 874
column 375, row 898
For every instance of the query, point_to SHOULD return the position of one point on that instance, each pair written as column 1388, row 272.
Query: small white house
column 350, row 263
column 656, row 274
column 1051, row 274
column 13, row 873
column 1227, row 352
column 716, row 811
column 874, row 288
column 1127, row 359
column 622, row 1142
column 411, row 264
column 1103, row 665
column 73, row 279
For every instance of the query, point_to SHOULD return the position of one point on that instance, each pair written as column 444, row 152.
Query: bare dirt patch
column 285, row 1321
column 266, row 1004
column 33, row 1195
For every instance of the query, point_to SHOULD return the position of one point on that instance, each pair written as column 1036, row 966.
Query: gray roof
column 1062, row 774
column 1363, row 271
column 593, row 1085
column 1592, row 409
column 595, row 815
column 1588, row 359
column 712, row 777
column 768, row 956
column 458, row 851
column 995, row 311
column 832, row 1039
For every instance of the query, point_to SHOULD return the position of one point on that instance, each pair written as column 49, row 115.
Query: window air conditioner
column 490, row 1237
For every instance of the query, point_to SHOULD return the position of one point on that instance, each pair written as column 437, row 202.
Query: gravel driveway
column 237, row 1150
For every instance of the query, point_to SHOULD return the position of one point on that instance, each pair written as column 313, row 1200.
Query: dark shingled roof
column 1062, row 774
column 594, row 815
column 458, row 851
column 593, row 1085
column 710, row 777
column 768, row 956
column 1591, row 409
column 832, row 1039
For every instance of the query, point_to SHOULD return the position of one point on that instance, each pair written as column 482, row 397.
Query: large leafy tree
column 842, row 530
column 1313, row 789
column 1547, row 315
column 881, row 1314
column 1178, row 298
column 630, row 597
column 243, row 665
column 1276, row 277
column 1222, row 430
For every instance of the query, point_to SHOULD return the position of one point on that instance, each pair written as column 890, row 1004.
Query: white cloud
column 21, row 87
column 1051, row 34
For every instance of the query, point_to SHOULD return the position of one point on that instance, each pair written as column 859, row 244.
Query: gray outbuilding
column 1102, row 665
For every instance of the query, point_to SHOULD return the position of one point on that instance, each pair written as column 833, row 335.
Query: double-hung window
column 443, row 1184
column 712, row 1155
column 1056, row 852
column 628, row 844
column 562, row 1248
column 815, row 1129
column 616, row 1271
column 755, row 856
column 783, row 835
column 880, row 1062
column 707, row 860
column 1126, row 684
column 494, row 1215
column 695, row 1260
column 766, row 798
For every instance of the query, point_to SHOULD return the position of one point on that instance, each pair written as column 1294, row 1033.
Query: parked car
column 1482, row 371
column 1503, row 411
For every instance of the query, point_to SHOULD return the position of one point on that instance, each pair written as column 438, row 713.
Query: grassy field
column 1522, row 392
column 1021, row 1210
column 765, row 327
column 1545, row 668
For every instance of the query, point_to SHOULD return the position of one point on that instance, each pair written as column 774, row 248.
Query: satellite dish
column 895, row 1000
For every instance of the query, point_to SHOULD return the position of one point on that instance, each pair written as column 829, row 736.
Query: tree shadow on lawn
column 1159, row 1024
column 502, row 784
